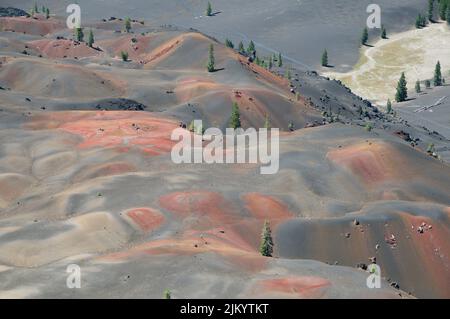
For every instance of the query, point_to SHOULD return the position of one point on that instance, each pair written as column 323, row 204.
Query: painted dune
column 86, row 177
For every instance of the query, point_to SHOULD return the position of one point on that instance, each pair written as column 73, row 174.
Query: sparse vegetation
column 325, row 58
column 124, row 56
column 196, row 129
column 266, row 247
column 211, row 60
column 235, row 120
column 369, row 127
column 402, row 90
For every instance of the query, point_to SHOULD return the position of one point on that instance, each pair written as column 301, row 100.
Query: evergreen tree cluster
column 44, row 10
column 444, row 7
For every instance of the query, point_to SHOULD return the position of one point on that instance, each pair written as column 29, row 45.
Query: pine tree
column 229, row 44
column 251, row 50
column 91, row 38
column 383, row 32
column 291, row 126
column 325, row 58
column 280, row 60
column 437, row 79
column 208, row 9
column 270, row 66
column 418, row 21
column 430, row 10
column 287, row 74
column 79, row 35
column 167, row 294
column 418, row 88
column 267, row 123
column 389, row 107
column 365, row 36
column 447, row 15
column 124, row 56
column 127, row 25
column 241, row 48
column 423, row 21
column 402, row 91
column 266, row 248
column 427, row 84
column 211, row 60
column 443, row 4
column 235, row 120
column 47, row 13
column 36, row 9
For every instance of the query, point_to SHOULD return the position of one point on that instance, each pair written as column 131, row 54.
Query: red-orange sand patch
column 135, row 45
column 248, row 261
column 433, row 247
column 210, row 208
column 190, row 88
column 163, row 51
column 63, row 48
column 372, row 163
column 266, row 207
column 39, row 26
column 146, row 218
column 112, row 129
column 297, row 287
